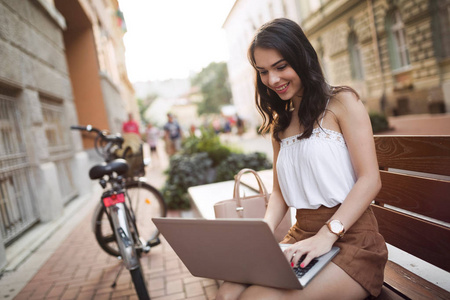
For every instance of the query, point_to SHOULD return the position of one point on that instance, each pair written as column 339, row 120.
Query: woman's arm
column 354, row 123
column 357, row 130
column 277, row 208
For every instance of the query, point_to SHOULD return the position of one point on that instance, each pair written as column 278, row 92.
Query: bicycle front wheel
column 146, row 203
column 139, row 283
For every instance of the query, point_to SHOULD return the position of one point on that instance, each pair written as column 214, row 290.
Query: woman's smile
column 282, row 88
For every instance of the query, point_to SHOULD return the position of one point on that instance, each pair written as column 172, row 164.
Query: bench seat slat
column 429, row 154
column 425, row 196
column 411, row 285
column 389, row 294
column 418, row 237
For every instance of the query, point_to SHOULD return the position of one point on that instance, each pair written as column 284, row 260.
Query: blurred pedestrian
column 152, row 135
column 216, row 125
column 132, row 138
column 130, row 126
column 172, row 135
column 239, row 125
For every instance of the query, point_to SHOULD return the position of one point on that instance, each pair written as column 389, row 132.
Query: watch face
column 336, row 226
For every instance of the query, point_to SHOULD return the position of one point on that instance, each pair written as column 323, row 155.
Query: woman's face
column 277, row 74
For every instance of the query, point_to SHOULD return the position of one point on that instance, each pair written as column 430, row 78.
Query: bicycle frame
column 100, row 206
column 120, row 217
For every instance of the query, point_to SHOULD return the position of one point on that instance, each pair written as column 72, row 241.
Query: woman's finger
column 308, row 258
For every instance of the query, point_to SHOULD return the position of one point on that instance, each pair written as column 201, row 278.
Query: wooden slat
column 428, row 197
column 429, row 154
column 420, row 238
column 409, row 284
column 388, row 294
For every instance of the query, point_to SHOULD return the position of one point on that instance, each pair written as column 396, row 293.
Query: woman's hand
column 313, row 247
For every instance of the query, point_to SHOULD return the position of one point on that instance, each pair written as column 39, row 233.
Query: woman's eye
column 262, row 72
column 281, row 67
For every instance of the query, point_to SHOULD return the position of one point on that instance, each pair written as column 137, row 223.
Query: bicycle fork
column 123, row 235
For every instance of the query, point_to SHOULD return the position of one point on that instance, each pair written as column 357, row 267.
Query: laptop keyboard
column 302, row 271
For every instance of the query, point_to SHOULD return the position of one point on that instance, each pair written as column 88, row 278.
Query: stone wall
column 416, row 88
column 32, row 67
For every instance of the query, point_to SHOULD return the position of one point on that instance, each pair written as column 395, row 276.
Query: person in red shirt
column 131, row 126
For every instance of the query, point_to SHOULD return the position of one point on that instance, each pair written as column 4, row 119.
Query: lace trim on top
column 317, row 133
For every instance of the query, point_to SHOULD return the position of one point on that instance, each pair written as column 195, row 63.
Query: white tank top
column 315, row 171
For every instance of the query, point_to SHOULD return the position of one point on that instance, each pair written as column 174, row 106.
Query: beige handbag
column 250, row 206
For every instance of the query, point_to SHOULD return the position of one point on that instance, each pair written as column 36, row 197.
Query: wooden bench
column 413, row 210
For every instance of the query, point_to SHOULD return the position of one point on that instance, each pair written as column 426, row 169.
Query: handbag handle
column 237, row 182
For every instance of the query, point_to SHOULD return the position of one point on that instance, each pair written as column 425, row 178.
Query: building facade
column 61, row 64
column 393, row 52
column 245, row 17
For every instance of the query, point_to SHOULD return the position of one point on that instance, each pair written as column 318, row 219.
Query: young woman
column 324, row 165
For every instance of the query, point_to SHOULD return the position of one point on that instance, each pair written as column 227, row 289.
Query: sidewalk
column 70, row 264
column 65, row 262
column 427, row 124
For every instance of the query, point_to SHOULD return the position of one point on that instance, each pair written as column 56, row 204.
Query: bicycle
column 117, row 229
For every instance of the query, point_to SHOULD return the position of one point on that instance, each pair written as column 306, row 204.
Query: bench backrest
column 413, row 209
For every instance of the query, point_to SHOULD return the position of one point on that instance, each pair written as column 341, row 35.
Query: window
column 55, row 128
column 441, row 27
column 355, row 57
column 323, row 59
column 17, row 210
column 59, row 146
column 398, row 48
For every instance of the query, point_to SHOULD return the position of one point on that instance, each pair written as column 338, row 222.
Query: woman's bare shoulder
column 344, row 101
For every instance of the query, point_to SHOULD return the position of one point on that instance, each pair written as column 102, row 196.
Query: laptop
column 235, row 250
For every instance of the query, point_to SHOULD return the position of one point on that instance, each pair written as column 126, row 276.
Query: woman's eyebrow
column 273, row 65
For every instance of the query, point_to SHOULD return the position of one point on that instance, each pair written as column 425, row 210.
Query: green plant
column 208, row 142
column 185, row 171
column 379, row 122
column 204, row 160
column 236, row 161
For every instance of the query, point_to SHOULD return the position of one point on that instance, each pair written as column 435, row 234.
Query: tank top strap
column 323, row 115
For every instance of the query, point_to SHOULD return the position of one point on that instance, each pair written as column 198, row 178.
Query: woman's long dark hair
column 288, row 38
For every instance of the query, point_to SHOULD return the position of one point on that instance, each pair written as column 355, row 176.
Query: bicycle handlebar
column 114, row 138
column 87, row 128
column 111, row 139
column 77, row 127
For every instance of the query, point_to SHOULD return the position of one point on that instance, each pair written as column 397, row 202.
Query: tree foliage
column 144, row 104
column 214, row 87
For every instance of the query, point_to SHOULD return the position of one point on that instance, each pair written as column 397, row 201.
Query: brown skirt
column 363, row 252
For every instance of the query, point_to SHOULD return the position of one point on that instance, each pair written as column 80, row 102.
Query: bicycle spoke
column 110, row 238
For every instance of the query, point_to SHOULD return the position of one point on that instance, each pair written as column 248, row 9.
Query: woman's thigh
column 331, row 283
column 230, row 291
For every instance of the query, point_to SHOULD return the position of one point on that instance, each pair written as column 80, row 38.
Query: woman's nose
column 273, row 78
